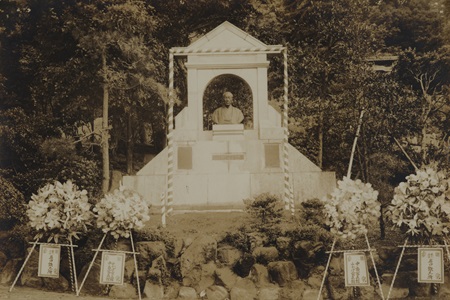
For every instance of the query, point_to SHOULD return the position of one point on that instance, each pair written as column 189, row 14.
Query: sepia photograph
column 225, row 149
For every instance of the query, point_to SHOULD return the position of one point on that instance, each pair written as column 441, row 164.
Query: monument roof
column 226, row 35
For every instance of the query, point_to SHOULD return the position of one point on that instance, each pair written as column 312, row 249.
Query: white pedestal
column 228, row 132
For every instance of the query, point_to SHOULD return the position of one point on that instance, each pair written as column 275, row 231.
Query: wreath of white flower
column 59, row 210
column 421, row 205
column 351, row 208
column 121, row 211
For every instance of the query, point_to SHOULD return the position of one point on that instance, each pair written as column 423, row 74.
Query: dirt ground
column 25, row 293
column 192, row 224
column 180, row 224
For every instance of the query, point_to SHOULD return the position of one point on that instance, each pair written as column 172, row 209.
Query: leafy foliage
column 266, row 211
column 12, row 205
column 312, row 213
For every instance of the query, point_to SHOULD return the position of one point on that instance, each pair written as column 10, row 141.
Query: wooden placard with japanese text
column 430, row 265
column 355, row 269
column 112, row 268
column 49, row 259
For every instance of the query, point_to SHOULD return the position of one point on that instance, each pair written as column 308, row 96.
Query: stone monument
column 219, row 168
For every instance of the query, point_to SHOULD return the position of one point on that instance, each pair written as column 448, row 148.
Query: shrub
column 239, row 239
column 155, row 235
column 311, row 233
column 266, row 212
column 12, row 205
column 312, row 213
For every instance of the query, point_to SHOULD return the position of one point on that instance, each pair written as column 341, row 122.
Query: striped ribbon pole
column 292, row 204
column 170, row 134
column 72, row 264
column 163, row 209
column 268, row 49
column 287, row 192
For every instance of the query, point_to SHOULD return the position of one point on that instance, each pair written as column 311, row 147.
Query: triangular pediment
column 226, row 35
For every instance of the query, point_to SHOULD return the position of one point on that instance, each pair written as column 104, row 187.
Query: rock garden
column 262, row 252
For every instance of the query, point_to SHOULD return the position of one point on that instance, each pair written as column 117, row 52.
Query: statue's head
column 227, row 98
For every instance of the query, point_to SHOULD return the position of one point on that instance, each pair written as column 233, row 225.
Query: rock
column 92, row 285
column 269, row 292
column 244, row 265
column 125, row 291
column 226, row 278
column 244, row 289
column 192, row 277
column 367, row 292
column 409, row 262
column 421, row 289
column 265, row 255
column 123, row 244
column 11, row 245
column 188, row 293
column 216, row 292
column 315, row 281
column 378, row 262
column 282, row 272
column 402, row 280
column 60, row 284
column 228, row 255
column 310, row 294
column 173, row 267
column 389, row 255
column 154, row 275
column 153, row 290
column 178, row 247
column 64, row 266
column 3, row 260
column 293, row 290
column 10, row 271
column 207, row 277
column 259, row 275
column 160, row 264
column 444, row 290
column 148, row 252
column 396, row 293
column 307, row 250
column 172, row 290
column 201, row 277
column 29, row 275
column 129, row 270
column 202, row 250
column 336, row 266
column 283, row 246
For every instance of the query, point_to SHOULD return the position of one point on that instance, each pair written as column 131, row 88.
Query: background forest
column 63, row 61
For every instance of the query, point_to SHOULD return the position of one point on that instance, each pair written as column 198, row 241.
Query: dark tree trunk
column 130, row 145
column 105, row 129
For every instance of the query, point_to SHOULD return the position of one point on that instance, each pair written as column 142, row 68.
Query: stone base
column 228, row 132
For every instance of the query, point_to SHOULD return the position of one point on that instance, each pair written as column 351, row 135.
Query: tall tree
column 119, row 36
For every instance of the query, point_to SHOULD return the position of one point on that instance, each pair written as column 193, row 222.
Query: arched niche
column 242, row 98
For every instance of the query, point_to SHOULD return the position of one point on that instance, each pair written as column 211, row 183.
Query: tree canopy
column 61, row 59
